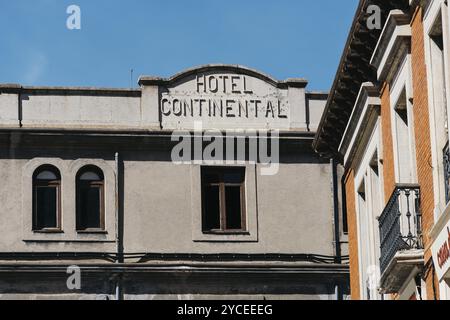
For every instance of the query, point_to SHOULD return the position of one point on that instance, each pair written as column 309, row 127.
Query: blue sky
column 284, row 38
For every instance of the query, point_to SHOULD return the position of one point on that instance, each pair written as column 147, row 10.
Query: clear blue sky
column 284, row 38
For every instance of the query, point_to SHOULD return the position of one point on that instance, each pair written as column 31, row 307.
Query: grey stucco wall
column 293, row 207
column 290, row 212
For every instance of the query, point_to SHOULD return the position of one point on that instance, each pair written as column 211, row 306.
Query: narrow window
column 344, row 208
column 47, row 199
column 90, row 199
column 223, row 197
column 364, row 239
column 404, row 139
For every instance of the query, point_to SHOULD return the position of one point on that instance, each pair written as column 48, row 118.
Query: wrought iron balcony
column 400, row 224
column 447, row 172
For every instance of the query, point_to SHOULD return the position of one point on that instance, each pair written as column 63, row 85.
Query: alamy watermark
column 229, row 147
column 74, row 280
column 374, row 19
column 73, row 21
column 373, row 277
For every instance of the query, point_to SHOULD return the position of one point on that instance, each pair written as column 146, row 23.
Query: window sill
column 227, row 233
column 225, row 236
column 48, row 231
column 93, row 231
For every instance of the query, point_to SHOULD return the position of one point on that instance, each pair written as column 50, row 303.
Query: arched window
column 90, row 199
column 47, row 199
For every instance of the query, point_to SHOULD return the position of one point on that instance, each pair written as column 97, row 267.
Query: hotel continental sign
column 203, row 185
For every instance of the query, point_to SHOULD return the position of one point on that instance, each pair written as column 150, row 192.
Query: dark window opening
column 90, row 199
column 223, row 198
column 362, row 191
column 344, row 207
column 374, row 166
column 401, row 108
column 212, row 208
column 47, row 199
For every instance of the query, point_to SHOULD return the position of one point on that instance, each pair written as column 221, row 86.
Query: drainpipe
column 336, row 225
column 338, row 293
column 337, row 240
column 119, row 251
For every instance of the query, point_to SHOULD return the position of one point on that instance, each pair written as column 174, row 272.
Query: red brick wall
column 388, row 145
column 352, row 235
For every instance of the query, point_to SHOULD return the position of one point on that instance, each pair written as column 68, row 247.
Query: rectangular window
column 223, row 200
column 344, row 209
column 404, row 139
column 90, row 199
column 47, row 207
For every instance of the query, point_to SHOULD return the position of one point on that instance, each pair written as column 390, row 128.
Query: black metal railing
column 447, row 172
column 400, row 224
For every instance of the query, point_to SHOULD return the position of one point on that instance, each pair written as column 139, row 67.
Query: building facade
column 387, row 121
column 204, row 185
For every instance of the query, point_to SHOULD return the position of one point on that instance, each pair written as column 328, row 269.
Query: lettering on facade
column 443, row 254
column 222, row 96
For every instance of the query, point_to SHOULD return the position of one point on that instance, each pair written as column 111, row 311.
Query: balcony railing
column 447, row 172
column 400, row 224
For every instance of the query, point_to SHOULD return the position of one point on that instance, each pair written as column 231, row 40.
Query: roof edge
column 155, row 81
column 355, row 23
column 19, row 89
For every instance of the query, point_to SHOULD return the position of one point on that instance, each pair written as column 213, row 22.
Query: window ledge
column 48, row 231
column 71, row 241
column 92, row 231
column 226, row 237
column 227, row 233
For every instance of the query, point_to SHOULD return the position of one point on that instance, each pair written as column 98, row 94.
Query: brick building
column 386, row 120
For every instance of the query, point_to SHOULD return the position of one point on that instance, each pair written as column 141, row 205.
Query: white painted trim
column 441, row 212
column 390, row 37
column 430, row 18
column 402, row 82
column 368, row 237
column 367, row 103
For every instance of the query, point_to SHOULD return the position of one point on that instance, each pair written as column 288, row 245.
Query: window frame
column 437, row 15
column 99, row 184
column 220, row 172
column 402, row 88
column 369, row 183
column 39, row 183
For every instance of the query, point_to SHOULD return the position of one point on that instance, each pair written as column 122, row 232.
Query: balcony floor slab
column 399, row 270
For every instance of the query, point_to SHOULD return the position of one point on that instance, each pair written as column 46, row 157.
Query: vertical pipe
column 337, row 231
column 20, row 109
column 338, row 292
column 117, row 204
column 335, row 192
column 119, row 258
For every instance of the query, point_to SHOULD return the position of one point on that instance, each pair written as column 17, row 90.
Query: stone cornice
column 157, row 81
column 368, row 100
column 74, row 91
column 354, row 69
column 394, row 42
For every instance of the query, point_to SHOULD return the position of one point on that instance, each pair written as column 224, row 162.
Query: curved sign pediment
column 224, row 97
